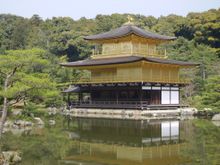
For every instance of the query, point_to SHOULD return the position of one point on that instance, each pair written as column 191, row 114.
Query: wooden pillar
column 141, row 96
column 90, row 92
column 80, row 97
column 116, row 96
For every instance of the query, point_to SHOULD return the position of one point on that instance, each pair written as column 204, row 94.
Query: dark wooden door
column 155, row 97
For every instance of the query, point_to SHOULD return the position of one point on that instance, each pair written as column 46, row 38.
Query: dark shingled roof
column 122, row 60
column 127, row 30
column 72, row 89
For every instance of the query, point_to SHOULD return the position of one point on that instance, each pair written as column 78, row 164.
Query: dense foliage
column 62, row 38
column 28, row 77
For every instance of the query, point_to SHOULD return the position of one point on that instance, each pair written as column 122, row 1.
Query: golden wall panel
column 129, row 48
column 143, row 72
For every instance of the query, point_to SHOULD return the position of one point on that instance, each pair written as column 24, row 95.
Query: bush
column 29, row 109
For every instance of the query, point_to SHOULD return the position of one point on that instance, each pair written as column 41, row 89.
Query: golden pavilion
column 128, row 70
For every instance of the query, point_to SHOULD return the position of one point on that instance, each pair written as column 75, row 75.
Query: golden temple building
column 128, row 70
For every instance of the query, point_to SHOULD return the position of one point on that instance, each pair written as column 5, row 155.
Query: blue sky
column 90, row 8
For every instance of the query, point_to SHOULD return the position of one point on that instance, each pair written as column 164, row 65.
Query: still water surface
column 124, row 142
column 83, row 141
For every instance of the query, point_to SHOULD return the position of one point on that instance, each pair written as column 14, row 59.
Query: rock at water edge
column 216, row 117
column 52, row 122
column 38, row 121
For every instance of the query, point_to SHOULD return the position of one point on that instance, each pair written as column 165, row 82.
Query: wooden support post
column 141, row 96
column 80, row 97
column 90, row 97
column 116, row 96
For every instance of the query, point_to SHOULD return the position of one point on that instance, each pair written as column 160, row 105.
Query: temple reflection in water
column 124, row 142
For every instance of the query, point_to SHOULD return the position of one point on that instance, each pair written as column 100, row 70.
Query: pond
column 84, row 141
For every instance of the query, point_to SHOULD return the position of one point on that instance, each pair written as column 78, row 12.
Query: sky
column 90, row 8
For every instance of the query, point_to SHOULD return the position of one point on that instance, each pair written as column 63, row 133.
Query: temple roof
column 123, row 60
column 72, row 89
column 127, row 30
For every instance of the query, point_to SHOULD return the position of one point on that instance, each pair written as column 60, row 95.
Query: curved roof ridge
column 124, row 59
column 127, row 30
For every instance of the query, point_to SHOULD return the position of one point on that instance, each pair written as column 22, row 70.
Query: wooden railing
column 128, row 79
column 110, row 104
column 121, row 104
column 137, row 50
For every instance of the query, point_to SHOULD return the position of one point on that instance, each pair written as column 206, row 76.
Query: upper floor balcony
column 126, row 79
column 128, row 49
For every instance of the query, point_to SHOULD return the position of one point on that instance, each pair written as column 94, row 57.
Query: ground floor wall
column 161, row 94
column 148, row 94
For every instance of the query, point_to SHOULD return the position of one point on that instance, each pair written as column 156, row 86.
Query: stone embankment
column 20, row 126
column 129, row 114
column 54, row 110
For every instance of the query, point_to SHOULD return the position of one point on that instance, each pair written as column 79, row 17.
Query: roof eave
column 177, row 63
column 90, row 38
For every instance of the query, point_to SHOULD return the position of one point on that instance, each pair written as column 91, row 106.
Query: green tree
column 8, row 24
column 19, row 35
column 107, row 22
column 168, row 25
column 22, row 77
column 211, row 94
column 206, row 27
column 37, row 36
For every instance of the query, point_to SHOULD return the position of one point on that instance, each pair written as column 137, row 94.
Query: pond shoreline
column 131, row 139
column 129, row 114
